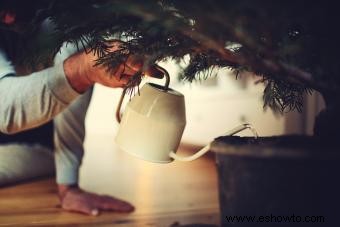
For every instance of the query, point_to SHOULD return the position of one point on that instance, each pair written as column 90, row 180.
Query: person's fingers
column 89, row 203
column 152, row 71
column 113, row 204
column 81, row 207
column 85, row 208
column 135, row 62
column 125, row 71
column 114, row 45
column 119, row 78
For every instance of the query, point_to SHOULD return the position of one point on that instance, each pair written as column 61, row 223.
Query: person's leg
column 26, row 155
column 20, row 162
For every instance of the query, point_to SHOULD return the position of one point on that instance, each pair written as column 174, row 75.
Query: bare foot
column 75, row 199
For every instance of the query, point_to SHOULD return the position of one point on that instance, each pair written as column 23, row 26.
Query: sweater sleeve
column 29, row 101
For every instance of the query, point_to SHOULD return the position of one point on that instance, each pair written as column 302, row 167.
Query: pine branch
column 285, row 43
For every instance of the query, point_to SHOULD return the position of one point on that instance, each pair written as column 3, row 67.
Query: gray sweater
column 29, row 101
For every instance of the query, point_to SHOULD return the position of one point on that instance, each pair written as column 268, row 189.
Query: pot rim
column 267, row 151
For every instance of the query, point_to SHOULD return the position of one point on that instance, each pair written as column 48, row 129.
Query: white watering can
column 152, row 125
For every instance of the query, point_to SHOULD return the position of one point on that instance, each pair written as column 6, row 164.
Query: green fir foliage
column 291, row 45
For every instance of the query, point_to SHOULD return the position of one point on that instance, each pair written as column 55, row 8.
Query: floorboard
column 164, row 194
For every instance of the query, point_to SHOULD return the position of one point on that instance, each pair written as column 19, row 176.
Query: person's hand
column 75, row 199
column 82, row 74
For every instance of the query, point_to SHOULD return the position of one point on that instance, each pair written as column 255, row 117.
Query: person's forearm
column 29, row 101
column 69, row 135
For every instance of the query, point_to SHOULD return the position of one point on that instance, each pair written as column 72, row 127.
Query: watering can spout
column 207, row 147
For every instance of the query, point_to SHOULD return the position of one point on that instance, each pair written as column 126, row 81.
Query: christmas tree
column 290, row 45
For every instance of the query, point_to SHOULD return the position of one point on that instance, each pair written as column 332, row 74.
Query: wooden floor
column 164, row 194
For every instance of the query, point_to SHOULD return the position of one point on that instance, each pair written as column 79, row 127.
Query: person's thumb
column 87, row 209
column 79, row 205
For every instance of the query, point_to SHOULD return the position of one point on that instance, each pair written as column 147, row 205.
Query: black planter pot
column 286, row 181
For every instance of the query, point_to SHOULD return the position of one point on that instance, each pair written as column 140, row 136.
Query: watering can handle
column 207, row 148
column 166, row 86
